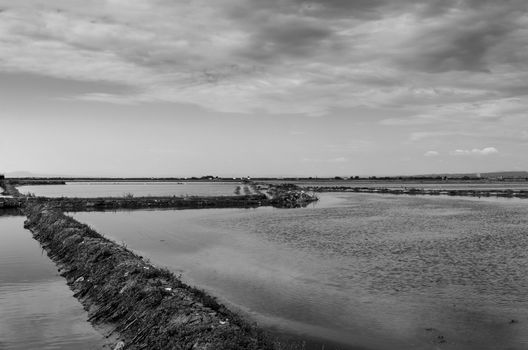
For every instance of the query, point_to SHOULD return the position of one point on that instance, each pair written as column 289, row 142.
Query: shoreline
column 135, row 304
column 504, row 193
column 139, row 305
column 146, row 306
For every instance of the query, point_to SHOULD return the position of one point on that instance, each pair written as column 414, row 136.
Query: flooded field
column 37, row 309
column 136, row 189
column 369, row 271
column 446, row 185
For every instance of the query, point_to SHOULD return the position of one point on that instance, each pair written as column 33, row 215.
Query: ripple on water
column 383, row 272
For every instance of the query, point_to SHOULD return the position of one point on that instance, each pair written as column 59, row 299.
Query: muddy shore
column 145, row 306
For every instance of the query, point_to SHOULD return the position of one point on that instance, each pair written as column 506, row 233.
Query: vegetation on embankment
column 147, row 307
column 128, row 202
column 116, row 203
column 280, row 197
column 10, row 203
column 36, row 181
column 9, row 188
column 290, row 196
column 509, row 193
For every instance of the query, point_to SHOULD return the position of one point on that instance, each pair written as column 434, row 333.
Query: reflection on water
column 37, row 309
column 380, row 272
column 137, row 189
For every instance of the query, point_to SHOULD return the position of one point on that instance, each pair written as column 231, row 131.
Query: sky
column 263, row 87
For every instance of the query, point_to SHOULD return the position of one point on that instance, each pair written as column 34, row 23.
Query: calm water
column 37, row 309
column 137, row 189
column 446, row 185
column 370, row 271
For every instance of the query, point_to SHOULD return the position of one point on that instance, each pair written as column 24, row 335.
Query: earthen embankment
column 146, row 306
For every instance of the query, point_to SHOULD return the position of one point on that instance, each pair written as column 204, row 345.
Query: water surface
column 445, row 185
column 136, row 189
column 370, row 271
column 37, row 309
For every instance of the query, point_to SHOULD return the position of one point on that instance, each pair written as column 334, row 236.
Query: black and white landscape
column 263, row 174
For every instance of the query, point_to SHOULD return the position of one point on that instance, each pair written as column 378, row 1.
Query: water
column 38, row 311
column 445, row 185
column 136, row 189
column 368, row 271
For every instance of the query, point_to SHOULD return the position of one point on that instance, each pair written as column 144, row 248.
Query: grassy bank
column 129, row 202
column 7, row 203
column 146, row 306
column 113, row 203
column 9, row 189
column 10, row 203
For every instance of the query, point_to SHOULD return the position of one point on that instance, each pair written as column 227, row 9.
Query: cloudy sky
column 263, row 87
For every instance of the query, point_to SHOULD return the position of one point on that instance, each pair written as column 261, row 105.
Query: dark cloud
column 288, row 36
column 310, row 8
column 461, row 41
column 451, row 35
column 459, row 49
column 364, row 9
column 318, row 54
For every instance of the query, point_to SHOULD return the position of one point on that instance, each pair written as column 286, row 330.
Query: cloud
column 425, row 135
column 288, row 37
column 431, row 154
column 338, row 160
column 464, row 38
column 322, row 160
column 475, row 152
column 277, row 56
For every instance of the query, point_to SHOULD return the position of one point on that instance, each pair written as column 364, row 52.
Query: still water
column 444, row 185
column 368, row 271
column 37, row 309
column 136, row 189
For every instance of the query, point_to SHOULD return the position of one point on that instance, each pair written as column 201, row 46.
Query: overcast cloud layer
column 437, row 68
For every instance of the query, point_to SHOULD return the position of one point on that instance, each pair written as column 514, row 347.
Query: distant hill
column 30, row 174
